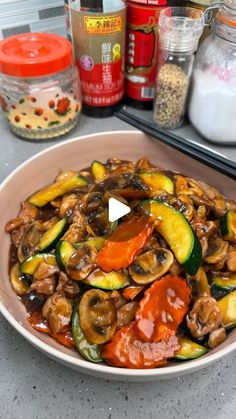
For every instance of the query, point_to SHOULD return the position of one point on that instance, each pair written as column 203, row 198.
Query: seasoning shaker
column 179, row 30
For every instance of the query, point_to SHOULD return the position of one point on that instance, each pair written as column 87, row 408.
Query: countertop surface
column 34, row 387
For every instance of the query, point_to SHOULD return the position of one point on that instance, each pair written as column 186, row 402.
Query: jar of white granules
column 213, row 98
column 179, row 29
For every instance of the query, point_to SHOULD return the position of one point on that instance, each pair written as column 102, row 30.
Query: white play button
column 116, row 209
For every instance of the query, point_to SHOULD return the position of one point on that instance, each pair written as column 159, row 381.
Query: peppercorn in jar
column 180, row 29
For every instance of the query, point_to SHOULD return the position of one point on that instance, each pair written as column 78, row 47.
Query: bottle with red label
column 142, row 51
column 98, row 28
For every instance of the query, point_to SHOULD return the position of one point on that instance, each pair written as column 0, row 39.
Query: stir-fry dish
column 155, row 285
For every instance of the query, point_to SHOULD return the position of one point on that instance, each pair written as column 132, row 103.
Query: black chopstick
column 196, row 151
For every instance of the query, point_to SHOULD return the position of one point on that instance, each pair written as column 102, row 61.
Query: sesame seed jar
column 39, row 85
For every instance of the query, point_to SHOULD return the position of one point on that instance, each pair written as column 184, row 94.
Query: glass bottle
column 142, row 51
column 98, row 29
column 213, row 95
column 179, row 29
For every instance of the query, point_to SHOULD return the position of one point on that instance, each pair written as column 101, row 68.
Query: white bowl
column 77, row 154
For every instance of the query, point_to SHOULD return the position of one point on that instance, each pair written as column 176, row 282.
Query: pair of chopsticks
column 208, row 157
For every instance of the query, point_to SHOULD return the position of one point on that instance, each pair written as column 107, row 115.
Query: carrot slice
column 162, row 309
column 126, row 350
column 125, row 243
column 131, row 292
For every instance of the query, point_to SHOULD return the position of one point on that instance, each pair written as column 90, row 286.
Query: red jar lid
column 34, row 55
column 150, row 2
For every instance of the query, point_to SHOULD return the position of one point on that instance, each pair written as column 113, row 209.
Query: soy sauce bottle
column 98, row 28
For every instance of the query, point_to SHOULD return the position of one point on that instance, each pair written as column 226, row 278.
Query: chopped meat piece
column 66, row 285
column 45, row 270
column 68, row 203
column 216, row 337
column 57, row 310
column 204, row 317
column 44, row 286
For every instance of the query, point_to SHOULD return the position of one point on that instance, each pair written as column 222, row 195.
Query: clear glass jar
column 180, row 29
column 40, row 93
column 213, row 95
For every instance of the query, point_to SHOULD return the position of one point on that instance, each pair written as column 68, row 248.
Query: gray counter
column 33, row 387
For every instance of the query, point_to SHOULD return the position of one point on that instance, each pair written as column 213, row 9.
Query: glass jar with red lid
column 39, row 85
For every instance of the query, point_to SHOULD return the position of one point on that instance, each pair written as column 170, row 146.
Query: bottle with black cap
column 98, row 28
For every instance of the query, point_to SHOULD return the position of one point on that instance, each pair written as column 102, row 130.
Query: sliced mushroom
column 151, row 265
column 216, row 337
column 57, row 310
column 126, row 313
column 231, row 259
column 204, row 317
column 97, row 315
column 216, row 252
column 99, row 224
column 19, row 283
column 91, row 202
column 81, row 262
column 28, row 243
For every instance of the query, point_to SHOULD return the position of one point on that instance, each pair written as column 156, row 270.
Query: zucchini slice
column 51, row 237
column 107, row 281
column 97, row 242
column 98, row 170
column 227, row 305
column 228, row 226
column 157, row 181
column 30, row 265
column 87, row 350
column 189, row 350
column 56, row 189
column 64, row 250
column 224, row 284
column 178, row 233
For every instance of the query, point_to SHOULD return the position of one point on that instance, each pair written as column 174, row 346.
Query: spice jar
column 179, row 29
column 39, row 85
column 213, row 94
